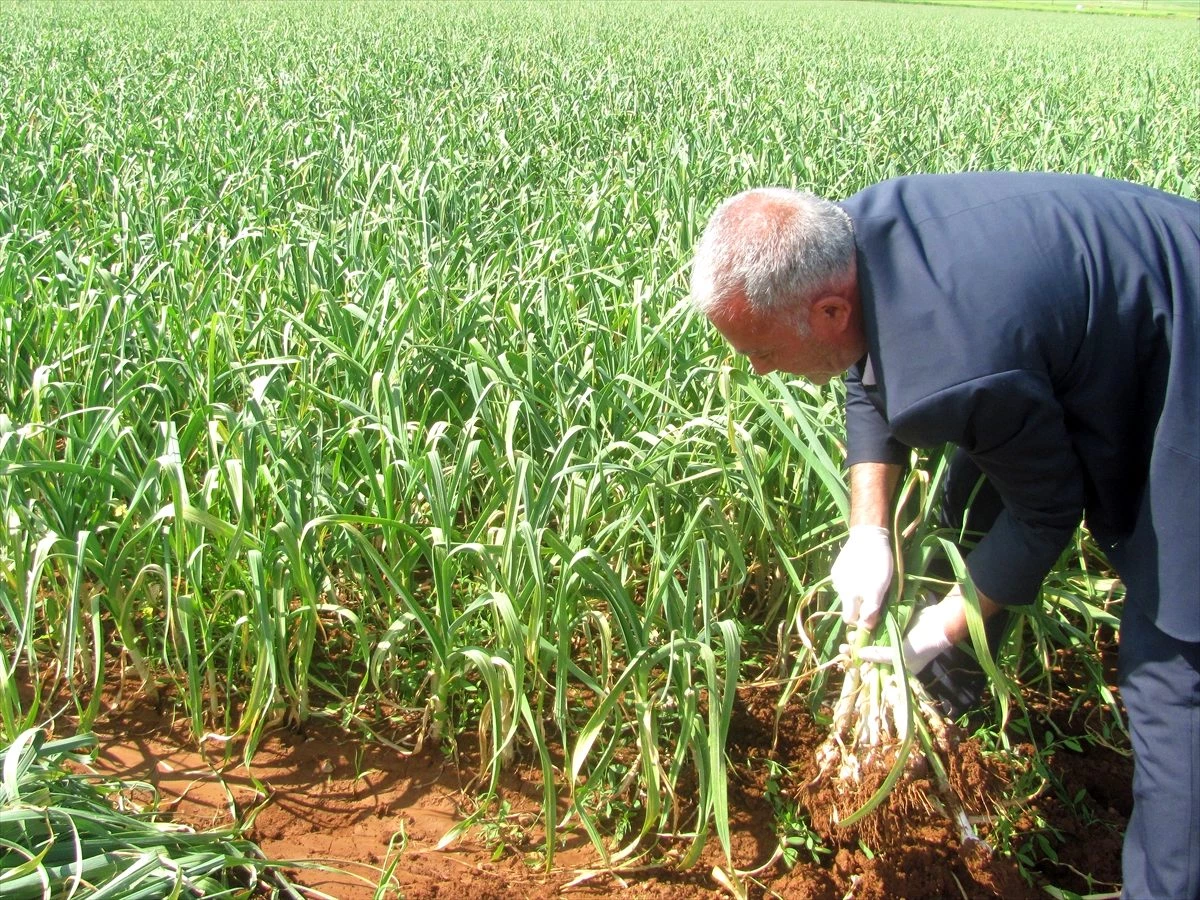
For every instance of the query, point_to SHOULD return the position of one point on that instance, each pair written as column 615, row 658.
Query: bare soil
column 324, row 796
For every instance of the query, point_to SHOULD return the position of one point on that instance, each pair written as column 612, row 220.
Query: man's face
column 773, row 341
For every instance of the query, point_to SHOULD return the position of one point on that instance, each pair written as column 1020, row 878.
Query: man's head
column 775, row 273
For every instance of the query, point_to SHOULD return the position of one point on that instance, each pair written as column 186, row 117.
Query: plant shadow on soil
column 325, row 795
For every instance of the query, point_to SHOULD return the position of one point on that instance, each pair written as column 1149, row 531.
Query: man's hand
column 861, row 574
column 934, row 629
column 926, row 637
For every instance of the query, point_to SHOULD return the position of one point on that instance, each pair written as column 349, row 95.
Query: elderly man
column 1047, row 326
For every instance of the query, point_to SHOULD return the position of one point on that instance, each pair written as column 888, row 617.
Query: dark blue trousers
column 1160, row 685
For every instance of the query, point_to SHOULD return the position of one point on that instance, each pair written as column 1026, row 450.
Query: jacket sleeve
column 868, row 437
column 1013, row 427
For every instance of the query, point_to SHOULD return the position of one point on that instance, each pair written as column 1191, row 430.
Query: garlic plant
column 889, row 751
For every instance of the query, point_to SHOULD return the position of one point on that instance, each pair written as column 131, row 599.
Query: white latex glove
column 926, row 638
column 861, row 574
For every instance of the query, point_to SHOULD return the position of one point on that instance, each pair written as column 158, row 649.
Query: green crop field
column 1165, row 8
column 346, row 368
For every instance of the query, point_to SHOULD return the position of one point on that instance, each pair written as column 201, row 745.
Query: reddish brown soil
column 325, row 795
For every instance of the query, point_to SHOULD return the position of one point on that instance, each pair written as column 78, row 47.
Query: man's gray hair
column 777, row 245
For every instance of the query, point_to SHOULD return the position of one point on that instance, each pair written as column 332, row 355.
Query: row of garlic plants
column 347, row 365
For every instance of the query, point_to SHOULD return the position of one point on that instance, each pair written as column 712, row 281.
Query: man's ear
column 829, row 316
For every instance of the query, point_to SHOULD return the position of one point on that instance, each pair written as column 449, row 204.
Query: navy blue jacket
column 1047, row 324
